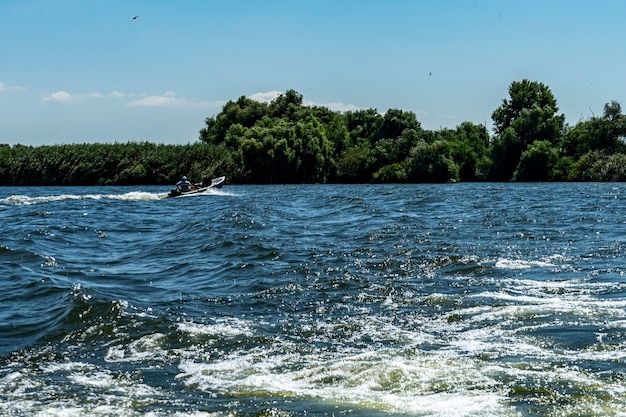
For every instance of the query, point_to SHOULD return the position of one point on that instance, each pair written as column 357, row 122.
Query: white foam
column 96, row 379
column 465, row 374
column 505, row 263
column 451, row 364
column 462, row 359
column 135, row 196
column 145, row 348
column 24, row 200
column 19, row 200
column 228, row 327
column 381, row 380
column 104, row 393
column 209, row 192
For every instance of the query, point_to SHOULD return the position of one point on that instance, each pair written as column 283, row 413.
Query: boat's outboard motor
column 174, row 192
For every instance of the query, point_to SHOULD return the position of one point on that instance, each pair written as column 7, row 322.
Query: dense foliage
column 286, row 141
column 107, row 164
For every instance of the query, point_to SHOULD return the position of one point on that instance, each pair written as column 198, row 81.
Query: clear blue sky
column 75, row 71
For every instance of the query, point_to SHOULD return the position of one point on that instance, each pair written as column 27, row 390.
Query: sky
column 86, row 71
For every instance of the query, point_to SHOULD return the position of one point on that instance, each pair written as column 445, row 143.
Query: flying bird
column 135, row 17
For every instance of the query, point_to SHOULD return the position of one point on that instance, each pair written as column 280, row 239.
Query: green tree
column 354, row 165
column 286, row 105
column 614, row 168
column 526, row 96
column 605, row 133
column 313, row 151
column 505, row 153
column 432, row 163
column 337, row 133
column 389, row 156
column 562, row 169
column 469, row 143
column 244, row 111
column 531, row 112
column 537, row 162
column 364, row 126
column 584, row 169
column 395, row 122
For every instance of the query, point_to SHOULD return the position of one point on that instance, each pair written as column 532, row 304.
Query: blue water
column 317, row 300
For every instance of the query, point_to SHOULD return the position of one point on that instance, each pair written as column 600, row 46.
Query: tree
column 604, row 133
column 537, row 162
column 244, row 111
column 505, row 153
column 267, row 152
column 285, row 104
column 364, row 126
column 531, row 114
column 524, row 95
column 469, row 149
column 432, row 162
column 337, row 133
column 395, row 122
column 313, row 151
column 354, row 165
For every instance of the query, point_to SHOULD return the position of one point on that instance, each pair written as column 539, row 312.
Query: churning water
column 317, row 300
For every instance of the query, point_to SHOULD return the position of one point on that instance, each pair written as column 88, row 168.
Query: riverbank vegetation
column 286, row 141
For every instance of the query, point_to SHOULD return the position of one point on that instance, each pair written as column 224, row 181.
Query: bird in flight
column 135, row 17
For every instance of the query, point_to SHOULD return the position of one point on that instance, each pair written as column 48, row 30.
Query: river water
column 317, row 300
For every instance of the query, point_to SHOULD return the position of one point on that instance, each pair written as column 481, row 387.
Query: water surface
column 318, row 300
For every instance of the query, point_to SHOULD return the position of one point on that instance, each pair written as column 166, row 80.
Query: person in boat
column 184, row 185
column 206, row 181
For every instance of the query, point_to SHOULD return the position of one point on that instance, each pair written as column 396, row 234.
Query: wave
column 24, row 324
column 505, row 263
column 280, row 301
column 383, row 351
column 472, row 361
column 24, row 200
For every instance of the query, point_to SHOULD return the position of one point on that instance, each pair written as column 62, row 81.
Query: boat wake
column 24, row 200
column 318, row 300
column 209, row 192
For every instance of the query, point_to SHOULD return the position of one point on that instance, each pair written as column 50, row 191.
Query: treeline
column 286, row 141
column 107, row 164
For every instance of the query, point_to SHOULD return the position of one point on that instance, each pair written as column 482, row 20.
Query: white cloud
column 269, row 96
column 93, row 94
column 65, row 97
column 265, row 97
column 58, row 97
column 169, row 99
column 4, row 87
column 115, row 94
column 335, row 106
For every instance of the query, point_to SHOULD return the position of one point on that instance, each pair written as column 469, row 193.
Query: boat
column 202, row 187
